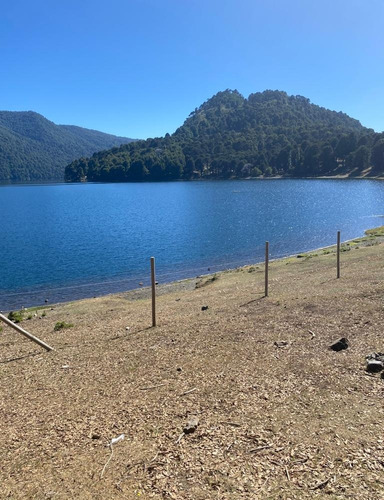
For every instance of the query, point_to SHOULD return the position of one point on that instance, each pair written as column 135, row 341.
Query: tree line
column 229, row 136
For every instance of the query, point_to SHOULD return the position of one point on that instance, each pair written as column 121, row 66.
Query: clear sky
column 137, row 68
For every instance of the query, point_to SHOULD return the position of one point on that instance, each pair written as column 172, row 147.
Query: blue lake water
column 66, row 241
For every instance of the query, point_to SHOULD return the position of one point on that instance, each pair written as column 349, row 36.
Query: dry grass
column 297, row 421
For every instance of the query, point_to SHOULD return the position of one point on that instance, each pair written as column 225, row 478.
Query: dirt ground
column 280, row 415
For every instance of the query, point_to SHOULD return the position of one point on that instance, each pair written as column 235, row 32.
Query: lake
column 66, row 241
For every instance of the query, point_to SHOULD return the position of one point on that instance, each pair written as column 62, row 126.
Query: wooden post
column 266, row 267
column 338, row 254
column 25, row 333
column 153, row 282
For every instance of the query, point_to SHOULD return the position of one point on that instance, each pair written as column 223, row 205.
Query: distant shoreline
column 261, row 178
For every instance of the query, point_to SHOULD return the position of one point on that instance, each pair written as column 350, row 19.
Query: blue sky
column 137, row 68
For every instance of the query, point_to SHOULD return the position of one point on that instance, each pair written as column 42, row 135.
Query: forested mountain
column 268, row 133
column 34, row 148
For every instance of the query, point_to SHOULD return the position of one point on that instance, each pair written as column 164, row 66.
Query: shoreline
column 189, row 283
column 4, row 183
column 257, row 372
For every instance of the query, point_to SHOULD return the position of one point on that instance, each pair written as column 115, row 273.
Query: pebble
column 191, row 426
column 283, row 343
column 374, row 365
column 375, row 362
column 341, row 344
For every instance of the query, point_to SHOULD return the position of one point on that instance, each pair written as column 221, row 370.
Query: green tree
column 312, row 159
column 362, row 158
column 189, row 168
column 327, row 160
column 378, row 156
column 137, row 171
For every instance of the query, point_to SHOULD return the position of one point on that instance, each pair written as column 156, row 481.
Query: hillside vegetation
column 268, row 133
column 33, row 148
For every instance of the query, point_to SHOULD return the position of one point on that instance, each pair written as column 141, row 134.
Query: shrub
column 16, row 316
column 61, row 325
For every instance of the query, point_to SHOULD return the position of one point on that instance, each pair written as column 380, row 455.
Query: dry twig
column 180, row 438
column 321, row 485
column 151, row 387
column 287, row 473
column 189, row 391
column 259, row 448
column 106, row 463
